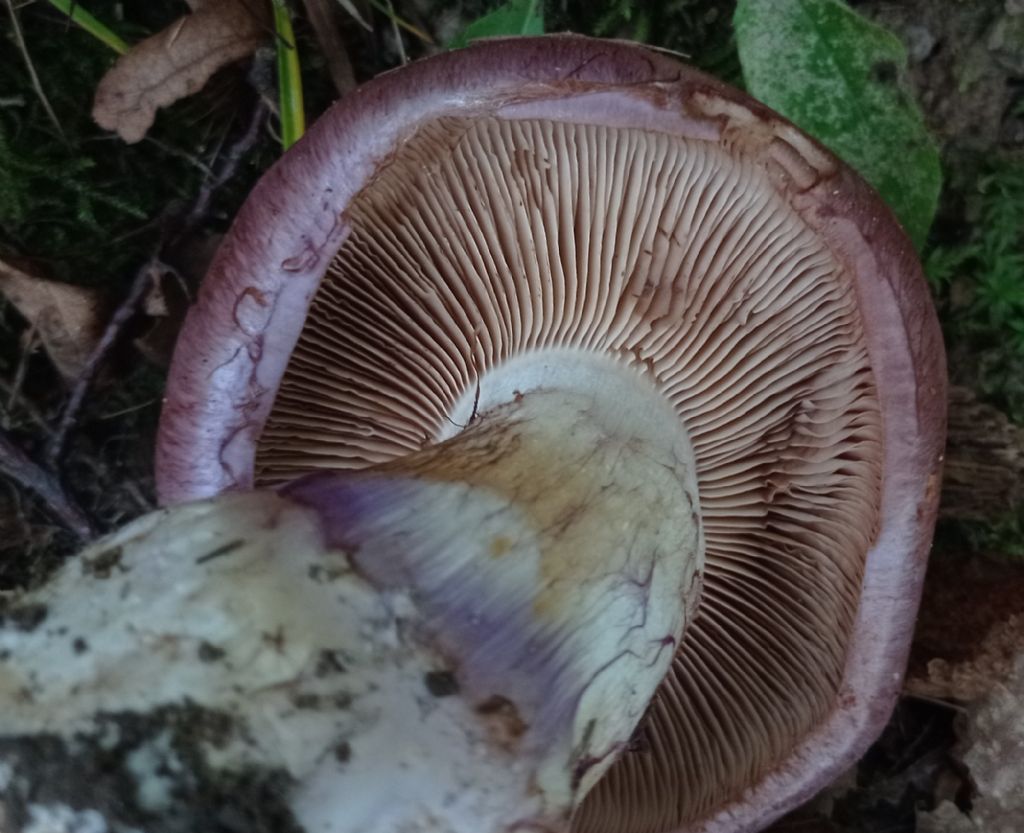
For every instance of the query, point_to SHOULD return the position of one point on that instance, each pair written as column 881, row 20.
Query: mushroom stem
column 554, row 551
column 461, row 641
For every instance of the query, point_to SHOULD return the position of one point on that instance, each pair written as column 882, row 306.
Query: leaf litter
column 177, row 62
column 65, row 318
column 180, row 59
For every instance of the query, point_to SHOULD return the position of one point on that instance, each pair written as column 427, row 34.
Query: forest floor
column 132, row 226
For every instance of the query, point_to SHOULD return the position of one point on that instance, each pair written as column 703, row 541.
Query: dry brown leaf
column 177, row 62
column 67, row 319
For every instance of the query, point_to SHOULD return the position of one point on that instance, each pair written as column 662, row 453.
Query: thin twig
column 15, row 399
column 19, row 372
column 354, row 13
column 227, row 168
column 19, row 37
column 16, row 464
column 935, row 701
column 388, row 10
column 397, row 33
column 131, row 409
column 125, row 311
column 171, row 150
column 150, row 272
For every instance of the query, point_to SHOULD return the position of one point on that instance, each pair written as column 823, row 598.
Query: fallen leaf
column 67, row 319
column 177, row 62
column 841, row 77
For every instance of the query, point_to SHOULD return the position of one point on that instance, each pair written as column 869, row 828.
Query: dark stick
column 227, row 168
column 144, row 279
column 15, row 464
column 57, row 444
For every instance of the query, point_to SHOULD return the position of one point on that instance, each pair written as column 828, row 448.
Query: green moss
column 78, row 198
column 1001, row 539
column 978, row 281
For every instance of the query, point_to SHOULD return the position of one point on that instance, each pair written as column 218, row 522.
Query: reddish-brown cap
column 562, row 193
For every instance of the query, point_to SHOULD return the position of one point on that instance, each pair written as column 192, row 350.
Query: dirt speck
column 441, row 683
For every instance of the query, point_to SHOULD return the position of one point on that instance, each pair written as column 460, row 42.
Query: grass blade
column 289, row 78
column 91, row 25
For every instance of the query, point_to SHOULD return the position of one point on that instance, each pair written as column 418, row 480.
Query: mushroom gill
column 485, row 241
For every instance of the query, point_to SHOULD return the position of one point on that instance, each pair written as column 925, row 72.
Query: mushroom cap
column 357, row 169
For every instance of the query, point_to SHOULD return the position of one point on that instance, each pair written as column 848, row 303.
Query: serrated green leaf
column 841, row 78
column 516, row 17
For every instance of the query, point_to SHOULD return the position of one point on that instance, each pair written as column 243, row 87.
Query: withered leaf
column 67, row 319
column 177, row 62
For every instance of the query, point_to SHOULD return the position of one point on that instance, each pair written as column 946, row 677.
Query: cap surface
column 475, row 215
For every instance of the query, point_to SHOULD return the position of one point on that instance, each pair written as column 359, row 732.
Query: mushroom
column 221, row 659
column 559, row 301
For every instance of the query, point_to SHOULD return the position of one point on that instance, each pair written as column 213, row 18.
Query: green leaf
column 841, row 78
column 516, row 17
